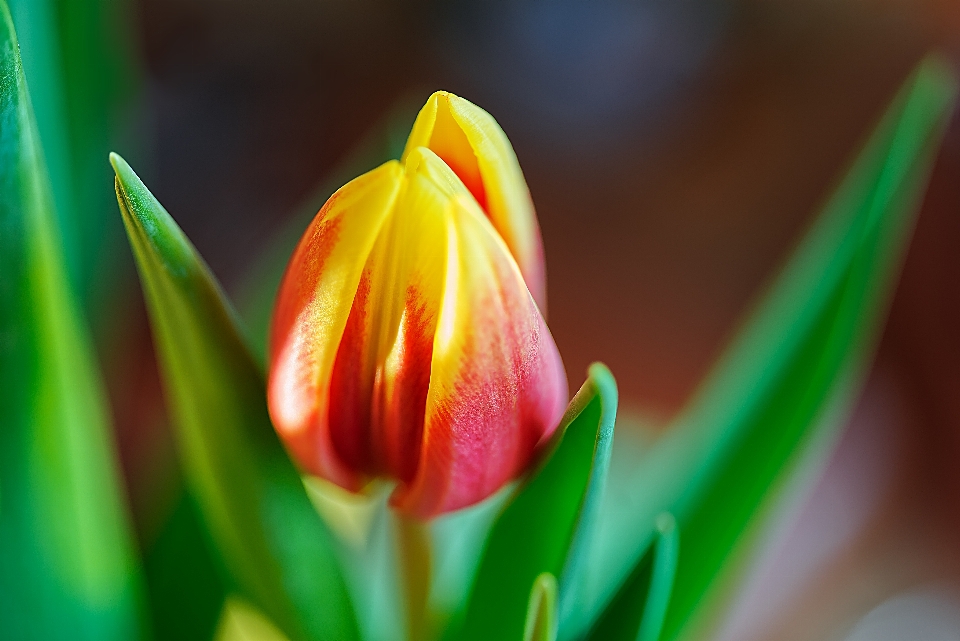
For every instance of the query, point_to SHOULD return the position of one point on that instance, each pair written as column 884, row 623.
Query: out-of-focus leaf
column 100, row 84
column 37, row 27
column 184, row 588
column 638, row 610
column 457, row 540
column 548, row 524
column 666, row 550
column 67, row 566
column 541, row 623
column 789, row 377
column 242, row 622
column 258, row 289
column 273, row 544
column 77, row 59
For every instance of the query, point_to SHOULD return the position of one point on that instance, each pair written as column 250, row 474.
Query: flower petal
column 471, row 142
column 497, row 384
column 382, row 373
column 406, row 344
column 313, row 305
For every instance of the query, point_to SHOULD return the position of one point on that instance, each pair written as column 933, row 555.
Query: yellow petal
column 380, row 381
column 497, row 384
column 474, row 146
column 313, row 304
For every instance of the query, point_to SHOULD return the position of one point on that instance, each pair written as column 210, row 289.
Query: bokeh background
column 675, row 150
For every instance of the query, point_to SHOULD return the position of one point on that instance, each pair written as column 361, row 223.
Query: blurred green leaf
column 541, row 623
column 184, row 588
column 273, row 544
column 243, row 622
column 789, row 377
column 100, row 74
column 77, row 58
column 37, row 27
column 638, row 610
column 67, row 566
column 666, row 552
column 547, row 525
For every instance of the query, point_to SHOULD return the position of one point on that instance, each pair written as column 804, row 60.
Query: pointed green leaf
column 37, row 28
column 789, row 377
column 67, row 566
column 541, row 623
column 638, row 610
column 547, row 525
column 666, row 550
column 272, row 543
column 77, row 59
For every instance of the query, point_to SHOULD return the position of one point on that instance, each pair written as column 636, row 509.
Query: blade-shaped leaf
column 273, row 544
column 541, row 623
column 36, row 23
column 666, row 551
column 67, row 564
column 547, row 525
column 795, row 366
column 638, row 610
column 77, row 60
column 184, row 587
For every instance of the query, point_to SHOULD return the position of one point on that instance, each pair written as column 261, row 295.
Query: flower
column 405, row 342
column 474, row 146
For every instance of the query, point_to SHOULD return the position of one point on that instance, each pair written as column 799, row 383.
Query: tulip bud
column 474, row 146
column 405, row 344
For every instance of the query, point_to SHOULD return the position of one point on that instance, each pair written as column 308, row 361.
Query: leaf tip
column 666, row 523
column 541, row 621
column 600, row 374
column 127, row 180
column 606, row 385
column 117, row 161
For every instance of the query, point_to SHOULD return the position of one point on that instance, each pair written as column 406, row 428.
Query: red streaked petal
column 313, row 305
column 406, row 344
column 379, row 385
column 497, row 386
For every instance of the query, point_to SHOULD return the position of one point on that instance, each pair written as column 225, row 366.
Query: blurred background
column 676, row 151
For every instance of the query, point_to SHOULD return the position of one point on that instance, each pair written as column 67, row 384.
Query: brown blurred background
column 675, row 151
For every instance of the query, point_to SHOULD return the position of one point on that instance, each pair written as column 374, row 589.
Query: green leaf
column 77, row 59
column 666, row 550
column 101, row 84
column 784, row 385
column 547, row 526
column 637, row 612
column 184, row 588
column 37, row 26
column 273, row 545
column 67, row 564
column 541, row 623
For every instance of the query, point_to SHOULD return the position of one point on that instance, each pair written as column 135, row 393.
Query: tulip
column 405, row 344
column 472, row 144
